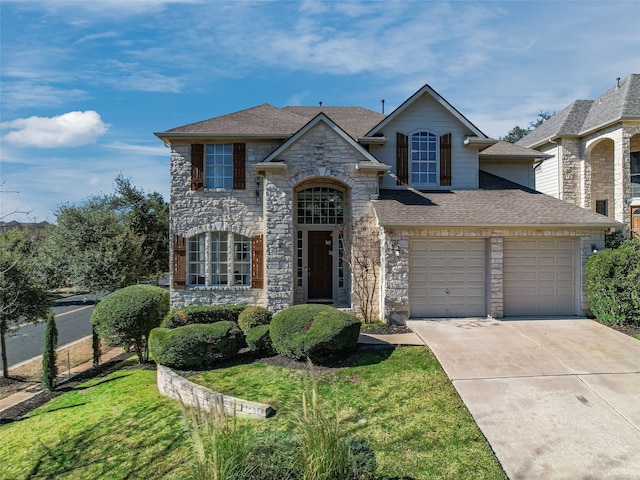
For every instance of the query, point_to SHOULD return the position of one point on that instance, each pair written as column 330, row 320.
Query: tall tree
column 147, row 214
column 517, row 132
column 23, row 296
column 108, row 242
column 49, row 357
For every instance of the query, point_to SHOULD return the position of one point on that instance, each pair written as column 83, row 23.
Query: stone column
column 496, row 307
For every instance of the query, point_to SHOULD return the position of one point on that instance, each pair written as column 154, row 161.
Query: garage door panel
column 451, row 277
column 539, row 276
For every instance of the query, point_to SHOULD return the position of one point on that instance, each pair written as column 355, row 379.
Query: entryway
column 319, row 266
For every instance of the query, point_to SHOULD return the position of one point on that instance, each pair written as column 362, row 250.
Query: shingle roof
column 510, row 150
column 582, row 116
column 265, row 120
column 498, row 202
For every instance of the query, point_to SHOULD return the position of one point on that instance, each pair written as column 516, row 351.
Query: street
column 73, row 319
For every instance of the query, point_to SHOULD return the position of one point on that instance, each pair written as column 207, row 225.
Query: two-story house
column 258, row 195
column 593, row 149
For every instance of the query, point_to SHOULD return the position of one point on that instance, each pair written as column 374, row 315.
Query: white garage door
column 447, row 278
column 539, row 276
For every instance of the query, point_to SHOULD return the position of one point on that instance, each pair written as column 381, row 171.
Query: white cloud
column 71, row 129
column 159, row 151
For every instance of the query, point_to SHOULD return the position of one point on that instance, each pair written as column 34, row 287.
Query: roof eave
column 577, row 226
column 479, row 143
column 168, row 136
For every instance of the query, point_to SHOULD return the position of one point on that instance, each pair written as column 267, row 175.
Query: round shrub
column 195, row 346
column 272, row 456
column 128, row 315
column 613, row 284
column 190, row 315
column 362, row 459
column 314, row 331
column 259, row 340
column 252, row 317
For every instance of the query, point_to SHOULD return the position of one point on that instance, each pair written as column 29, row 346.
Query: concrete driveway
column 555, row 398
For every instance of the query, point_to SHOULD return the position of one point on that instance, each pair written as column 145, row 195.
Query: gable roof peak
column 426, row 89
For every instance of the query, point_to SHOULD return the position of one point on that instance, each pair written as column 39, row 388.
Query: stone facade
column 172, row 385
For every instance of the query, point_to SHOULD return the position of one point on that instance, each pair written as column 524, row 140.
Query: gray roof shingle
column 265, row 120
column 498, row 203
column 509, row 150
column 582, row 116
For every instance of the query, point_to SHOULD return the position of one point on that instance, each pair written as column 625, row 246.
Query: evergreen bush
column 259, row 340
column 196, row 314
column 126, row 316
column 195, row 346
column 49, row 356
column 253, row 317
column 613, row 284
column 314, row 331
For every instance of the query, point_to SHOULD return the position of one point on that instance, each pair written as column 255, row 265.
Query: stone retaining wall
column 172, row 385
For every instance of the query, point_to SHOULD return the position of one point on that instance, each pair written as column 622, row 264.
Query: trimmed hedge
column 613, row 284
column 314, row 331
column 259, row 340
column 196, row 314
column 195, row 346
column 128, row 315
column 253, row 317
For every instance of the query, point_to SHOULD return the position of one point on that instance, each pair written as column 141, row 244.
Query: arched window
column 320, row 206
column 424, row 158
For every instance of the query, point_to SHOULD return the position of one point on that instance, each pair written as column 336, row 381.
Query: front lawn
column 118, row 426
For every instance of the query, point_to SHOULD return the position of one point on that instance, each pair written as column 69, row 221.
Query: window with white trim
column 423, row 160
column 227, row 261
column 219, row 166
column 196, row 260
column 635, row 174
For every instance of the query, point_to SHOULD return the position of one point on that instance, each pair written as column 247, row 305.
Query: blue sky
column 84, row 84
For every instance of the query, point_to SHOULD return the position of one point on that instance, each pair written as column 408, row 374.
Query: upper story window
column 219, row 166
column 424, row 158
column 635, row 174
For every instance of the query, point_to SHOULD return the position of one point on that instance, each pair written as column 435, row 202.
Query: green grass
column 402, row 402
column 118, row 426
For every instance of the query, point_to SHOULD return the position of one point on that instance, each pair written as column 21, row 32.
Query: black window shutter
column 445, row 160
column 402, row 159
column 257, row 262
column 179, row 262
column 239, row 169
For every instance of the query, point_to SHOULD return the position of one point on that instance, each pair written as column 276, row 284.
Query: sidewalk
column 34, row 390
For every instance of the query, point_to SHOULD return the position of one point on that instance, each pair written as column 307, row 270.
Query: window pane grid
column 635, row 174
column 424, row 150
column 219, row 166
column 219, row 258
column 320, row 206
column 300, row 260
column 241, row 260
column 196, row 262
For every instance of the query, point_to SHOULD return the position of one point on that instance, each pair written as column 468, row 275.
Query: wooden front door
column 635, row 222
column 320, row 266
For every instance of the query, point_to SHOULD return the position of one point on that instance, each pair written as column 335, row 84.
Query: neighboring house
column 594, row 154
column 257, row 195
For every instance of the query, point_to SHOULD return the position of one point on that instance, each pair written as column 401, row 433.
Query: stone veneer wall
column 571, row 186
column 172, row 385
column 194, row 212
column 602, row 178
column 266, row 206
column 396, row 273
